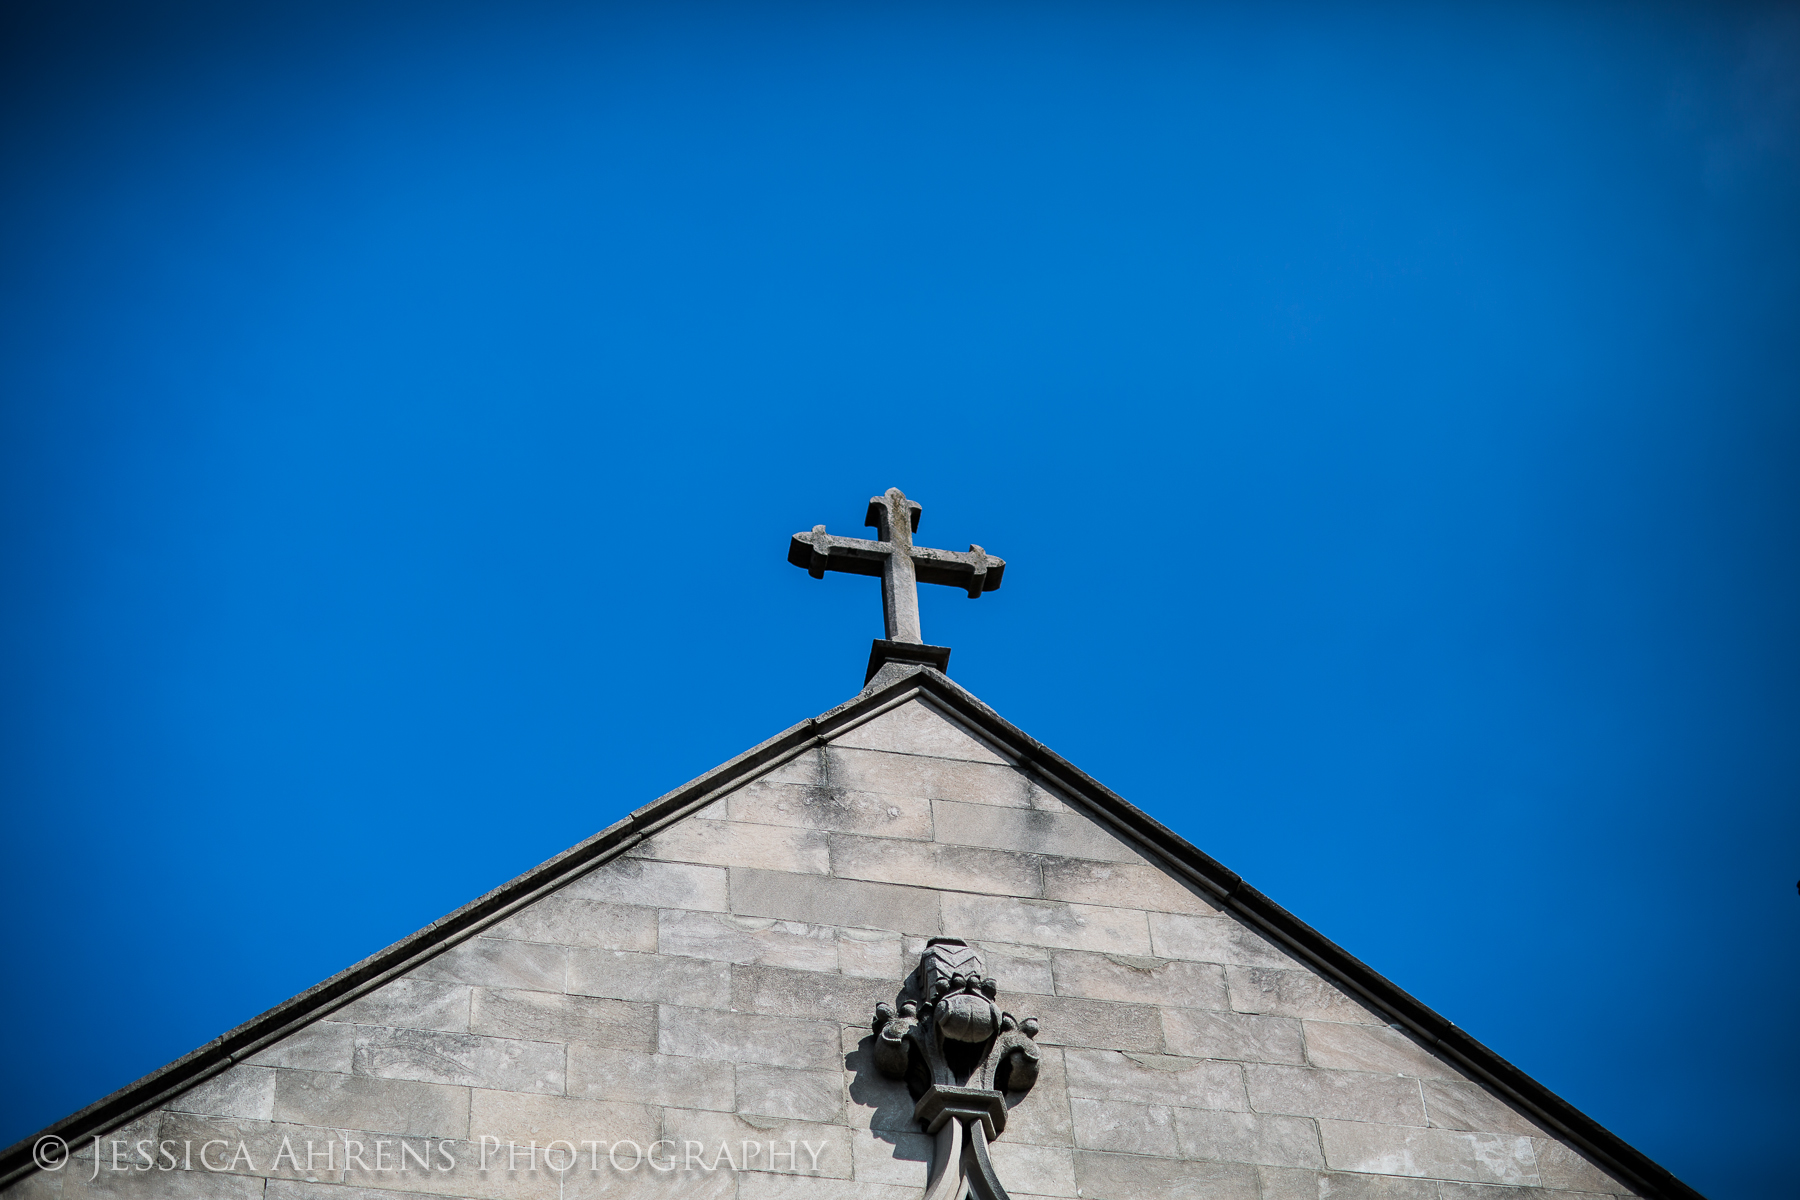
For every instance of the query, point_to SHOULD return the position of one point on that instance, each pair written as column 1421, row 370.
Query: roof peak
column 893, row 685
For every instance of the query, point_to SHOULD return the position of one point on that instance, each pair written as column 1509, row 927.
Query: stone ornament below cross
column 959, row 1055
column 902, row 566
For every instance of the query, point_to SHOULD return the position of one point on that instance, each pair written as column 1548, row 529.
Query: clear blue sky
column 1389, row 415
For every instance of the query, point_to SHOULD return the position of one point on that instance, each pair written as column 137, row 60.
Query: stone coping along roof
column 893, row 686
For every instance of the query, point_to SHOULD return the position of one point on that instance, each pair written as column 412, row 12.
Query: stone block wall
column 714, row 988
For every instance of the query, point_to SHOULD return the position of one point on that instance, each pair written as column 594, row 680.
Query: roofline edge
column 249, row 1038
column 1614, row 1154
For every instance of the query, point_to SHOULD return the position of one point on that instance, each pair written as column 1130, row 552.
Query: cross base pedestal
column 884, row 652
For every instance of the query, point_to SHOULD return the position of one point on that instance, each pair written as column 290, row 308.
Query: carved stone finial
column 959, row 1055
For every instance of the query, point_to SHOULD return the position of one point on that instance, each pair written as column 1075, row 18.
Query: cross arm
column 975, row 571
column 819, row 552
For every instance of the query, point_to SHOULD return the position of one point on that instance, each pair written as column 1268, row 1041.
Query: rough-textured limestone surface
column 713, row 989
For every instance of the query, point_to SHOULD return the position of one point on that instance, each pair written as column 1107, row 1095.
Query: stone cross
column 900, row 564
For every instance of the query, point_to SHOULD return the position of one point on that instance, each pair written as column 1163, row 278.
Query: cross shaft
column 901, row 565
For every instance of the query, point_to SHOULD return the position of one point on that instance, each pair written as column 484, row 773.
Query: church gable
column 714, row 987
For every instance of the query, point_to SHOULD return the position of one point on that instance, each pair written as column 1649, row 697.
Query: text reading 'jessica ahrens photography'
column 365, row 1158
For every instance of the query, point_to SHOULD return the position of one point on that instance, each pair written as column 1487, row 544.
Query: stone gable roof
column 981, row 735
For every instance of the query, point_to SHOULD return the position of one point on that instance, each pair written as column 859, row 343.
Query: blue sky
column 1388, row 414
